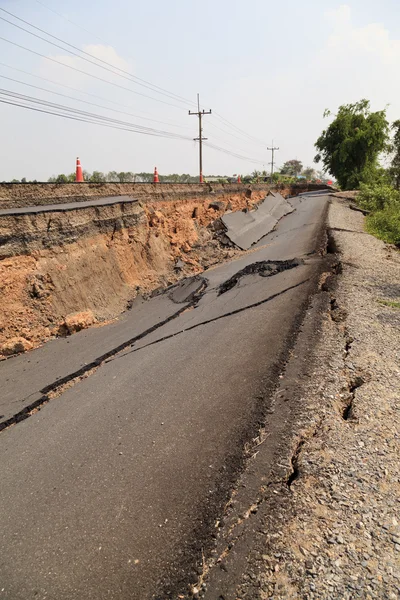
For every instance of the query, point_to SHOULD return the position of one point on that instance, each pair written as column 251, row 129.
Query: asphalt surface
column 244, row 228
column 111, row 490
column 29, row 210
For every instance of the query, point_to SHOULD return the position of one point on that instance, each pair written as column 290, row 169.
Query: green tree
column 174, row 178
column 394, row 169
column 61, row 178
column 97, row 177
column 309, row 173
column 292, row 167
column 126, row 177
column 349, row 148
column 145, row 177
column 112, row 176
column 256, row 175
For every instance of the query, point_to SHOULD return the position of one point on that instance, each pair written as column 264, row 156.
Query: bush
column 385, row 223
column 377, row 197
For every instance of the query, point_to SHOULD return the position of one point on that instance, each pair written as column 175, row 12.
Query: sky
column 267, row 70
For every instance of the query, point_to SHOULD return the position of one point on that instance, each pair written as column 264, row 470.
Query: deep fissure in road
column 210, row 299
column 264, row 268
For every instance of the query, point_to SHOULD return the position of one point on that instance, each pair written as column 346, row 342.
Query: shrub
column 377, row 197
column 385, row 223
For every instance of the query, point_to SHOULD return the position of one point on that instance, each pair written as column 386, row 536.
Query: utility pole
column 272, row 160
column 200, row 139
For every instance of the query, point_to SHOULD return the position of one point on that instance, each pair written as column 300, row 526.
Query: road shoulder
column 324, row 523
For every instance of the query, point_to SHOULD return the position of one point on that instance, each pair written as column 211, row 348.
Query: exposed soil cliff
column 64, row 271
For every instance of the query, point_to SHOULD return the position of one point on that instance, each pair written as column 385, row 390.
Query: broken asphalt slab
column 245, row 228
column 112, row 490
column 27, row 378
column 117, row 490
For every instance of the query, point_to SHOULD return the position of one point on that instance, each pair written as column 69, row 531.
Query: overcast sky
column 269, row 68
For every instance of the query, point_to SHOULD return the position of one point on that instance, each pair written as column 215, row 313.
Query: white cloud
column 341, row 16
column 354, row 62
column 371, row 42
column 72, row 76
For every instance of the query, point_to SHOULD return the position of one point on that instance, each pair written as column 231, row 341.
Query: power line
column 238, row 129
column 88, row 74
column 134, row 78
column 241, row 139
column 200, row 114
column 138, row 80
column 73, row 118
column 104, row 107
column 22, row 101
column 272, row 159
column 231, row 153
column 86, row 102
column 68, row 87
column 95, row 116
column 72, row 22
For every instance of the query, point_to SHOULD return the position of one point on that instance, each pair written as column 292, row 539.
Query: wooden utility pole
column 272, row 160
column 200, row 139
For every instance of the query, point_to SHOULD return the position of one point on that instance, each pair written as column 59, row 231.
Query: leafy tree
column 126, row 177
column 112, row 176
column 97, row 177
column 174, row 178
column 61, row 178
column 377, row 197
column 15, row 181
column 23, row 180
column 309, row 173
column 349, row 148
column 292, row 167
column 255, row 175
column 276, row 177
column 145, row 177
column 71, row 177
column 394, row 169
column 86, row 175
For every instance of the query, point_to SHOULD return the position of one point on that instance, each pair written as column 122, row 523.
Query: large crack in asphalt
column 223, row 316
column 60, row 384
column 188, row 293
column 264, row 268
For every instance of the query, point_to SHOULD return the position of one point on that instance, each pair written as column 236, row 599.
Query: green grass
column 385, row 224
column 390, row 303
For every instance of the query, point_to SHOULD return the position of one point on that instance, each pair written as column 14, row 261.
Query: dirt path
column 337, row 532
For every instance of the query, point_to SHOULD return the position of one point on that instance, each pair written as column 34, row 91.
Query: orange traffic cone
column 79, row 174
column 156, row 180
column 239, row 179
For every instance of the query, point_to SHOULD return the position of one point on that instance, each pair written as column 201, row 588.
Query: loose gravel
column 338, row 535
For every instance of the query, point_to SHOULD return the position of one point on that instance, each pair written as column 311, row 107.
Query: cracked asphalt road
column 111, row 490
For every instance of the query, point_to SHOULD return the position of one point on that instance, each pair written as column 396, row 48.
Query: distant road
column 112, row 489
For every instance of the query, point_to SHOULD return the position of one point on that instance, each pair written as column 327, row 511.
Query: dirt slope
column 61, row 272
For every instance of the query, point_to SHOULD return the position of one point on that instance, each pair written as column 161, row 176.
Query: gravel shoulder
column 322, row 520
column 337, row 532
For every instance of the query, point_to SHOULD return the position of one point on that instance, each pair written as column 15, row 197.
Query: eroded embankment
column 15, row 195
column 60, row 272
